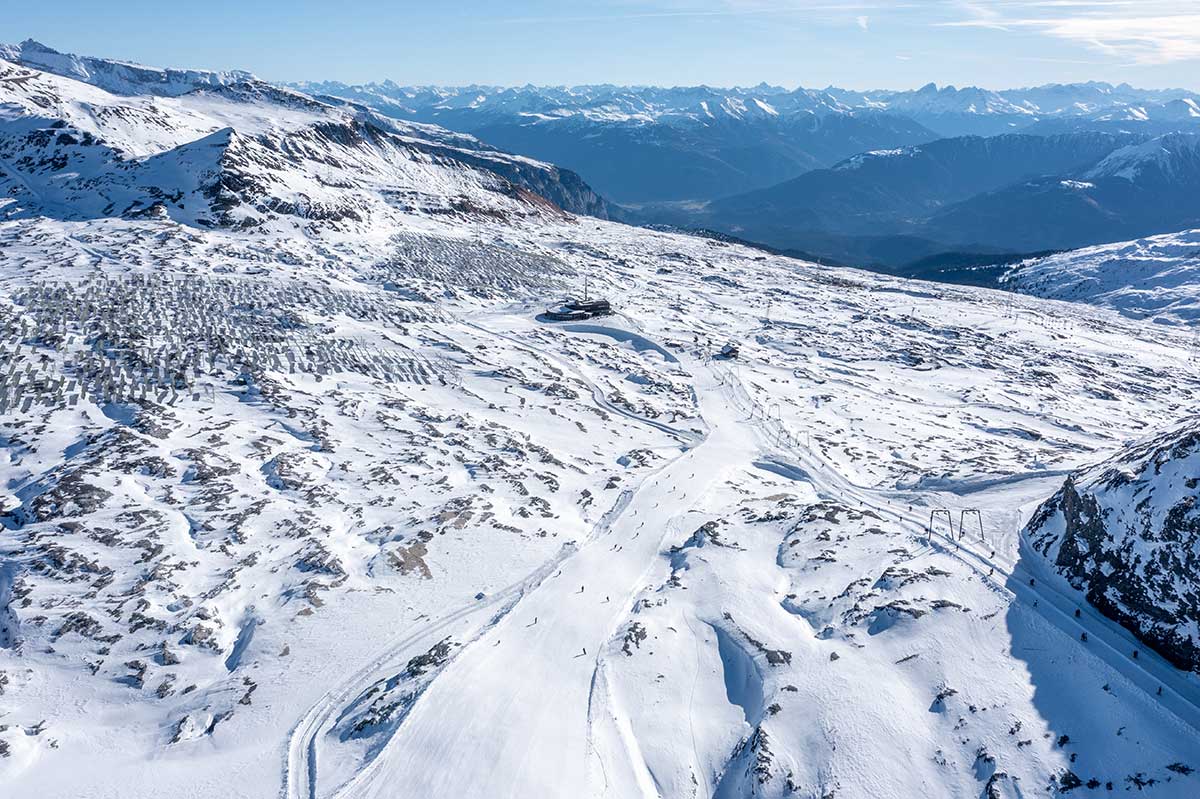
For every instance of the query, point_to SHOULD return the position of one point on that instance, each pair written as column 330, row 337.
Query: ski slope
column 324, row 507
column 564, row 702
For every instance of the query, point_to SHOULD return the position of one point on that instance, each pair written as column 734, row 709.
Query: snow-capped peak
column 116, row 76
column 1166, row 154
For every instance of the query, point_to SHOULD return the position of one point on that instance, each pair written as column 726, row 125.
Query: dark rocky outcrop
column 1127, row 534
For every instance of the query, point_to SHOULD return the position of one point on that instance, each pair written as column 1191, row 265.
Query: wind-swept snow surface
column 1156, row 277
column 320, row 507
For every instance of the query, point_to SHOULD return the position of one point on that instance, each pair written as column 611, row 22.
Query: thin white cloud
column 1145, row 32
column 826, row 10
column 1142, row 40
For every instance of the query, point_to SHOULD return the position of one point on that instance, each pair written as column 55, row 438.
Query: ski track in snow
column 430, row 753
column 307, row 499
column 301, row 772
column 430, row 759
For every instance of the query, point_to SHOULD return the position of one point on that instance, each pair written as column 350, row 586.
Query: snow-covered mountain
column 601, row 103
column 1156, row 277
column 1138, row 190
column 1126, row 535
column 1042, row 109
column 322, row 504
column 118, row 77
column 1011, row 194
column 244, row 154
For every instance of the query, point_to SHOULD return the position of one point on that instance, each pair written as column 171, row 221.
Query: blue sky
column 857, row 44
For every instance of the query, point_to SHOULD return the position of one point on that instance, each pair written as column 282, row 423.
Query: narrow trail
column 512, row 719
column 300, row 780
column 300, row 770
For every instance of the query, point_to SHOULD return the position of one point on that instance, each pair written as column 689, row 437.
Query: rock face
column 1127, row 534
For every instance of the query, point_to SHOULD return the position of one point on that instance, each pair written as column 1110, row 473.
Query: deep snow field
column 486, row 554
column 1150, row 278
column 302, row 497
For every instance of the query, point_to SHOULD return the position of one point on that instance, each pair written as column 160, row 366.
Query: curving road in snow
column 510, row 716
column 531, row 670
column 301, row 766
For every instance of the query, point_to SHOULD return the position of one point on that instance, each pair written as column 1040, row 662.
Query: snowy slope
column 1156, row 277
column 727, row 533
column 325, row 507
column 118, row 77
column 245, row 154
column 1126, row 534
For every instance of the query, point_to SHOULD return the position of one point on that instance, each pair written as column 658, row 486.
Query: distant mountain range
column 649, row 144
column 1004, row 194
column 225, row 149
column 893, row 193
column 884, row 179
column 641, row 145
column 234, row 152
